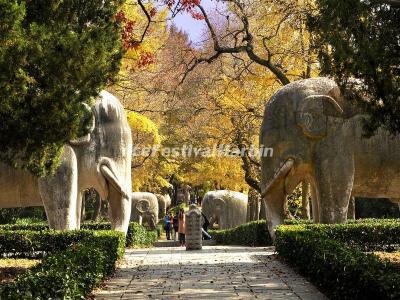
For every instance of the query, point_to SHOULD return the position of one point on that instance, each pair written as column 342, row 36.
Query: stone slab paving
column 216, row 272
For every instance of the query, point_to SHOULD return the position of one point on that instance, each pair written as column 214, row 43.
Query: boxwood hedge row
column 335, row 257
column 250, row 234
column 137, row 235
column 71, row 269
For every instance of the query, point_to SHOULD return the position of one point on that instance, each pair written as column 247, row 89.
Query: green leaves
column 54, row 56
column 358, row 43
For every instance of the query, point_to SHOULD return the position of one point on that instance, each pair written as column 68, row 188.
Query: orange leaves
column 188, row 6
column 153, row 12
column 146, row 58
column 127, row 34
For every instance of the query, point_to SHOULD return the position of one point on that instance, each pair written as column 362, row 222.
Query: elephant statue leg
column 351, row 213
column 336, row 196
column 120, row 211
column 59, row 193
column 79, row 208
column 314, row 203
column 152, row 223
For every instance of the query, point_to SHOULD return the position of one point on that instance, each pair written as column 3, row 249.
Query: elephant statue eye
column 307, row 120
column 143, row 206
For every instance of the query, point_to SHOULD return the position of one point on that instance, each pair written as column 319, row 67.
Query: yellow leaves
column 223, row 172
column 142, row 124
column 155, row 36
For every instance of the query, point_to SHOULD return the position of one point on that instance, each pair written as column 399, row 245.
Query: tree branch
column 148, row 20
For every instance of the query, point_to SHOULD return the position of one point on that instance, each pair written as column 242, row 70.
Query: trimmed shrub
column 70, row 273
column 368, row 235
column 250, row 234
column 25, row 243
column 322, row 253
column 137, row 235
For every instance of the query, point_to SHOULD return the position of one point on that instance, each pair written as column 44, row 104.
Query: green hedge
column 250, row 234
column 137, row 235
column 333, row 258
column 25, row 243
column 367, row 235
column 140, row 236
column 70, row 273
column 360, row 233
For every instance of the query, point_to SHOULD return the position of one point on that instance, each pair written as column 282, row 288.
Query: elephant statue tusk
column 113, row 180
column 280, row 174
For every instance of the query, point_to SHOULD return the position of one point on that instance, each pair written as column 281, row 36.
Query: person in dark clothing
column 175, row 226
column 167, row 226
column 205, row 225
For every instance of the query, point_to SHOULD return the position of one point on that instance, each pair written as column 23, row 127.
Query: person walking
column 181, row 227
column 175, row 226
column 167, row 226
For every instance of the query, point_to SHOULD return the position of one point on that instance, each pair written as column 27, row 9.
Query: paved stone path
column 216, row 272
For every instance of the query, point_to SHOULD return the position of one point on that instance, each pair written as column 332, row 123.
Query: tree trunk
column 253, row 210
column 97, row 208
column 83, row 209
column 305, row 203
column 286, row 212
column 262, row 215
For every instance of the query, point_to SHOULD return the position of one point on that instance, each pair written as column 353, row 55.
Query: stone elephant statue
column 227, row 208
column 101, row 160
column 164, row 202
column 145, row 209
column 317, row 136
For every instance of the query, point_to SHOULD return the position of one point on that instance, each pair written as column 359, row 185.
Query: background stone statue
column 227, row 208
column 164, row 202
column 317, row 137
column 193, row 225
column 183, row 194
column 145, row 209
column 102, row 160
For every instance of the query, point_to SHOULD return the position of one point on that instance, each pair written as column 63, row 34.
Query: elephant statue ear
column 312, row 114
column 143, row 206
column 86, row 127
column 219, row 203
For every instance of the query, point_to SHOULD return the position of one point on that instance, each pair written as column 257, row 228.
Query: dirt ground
column 11, row 267
column 393, row 257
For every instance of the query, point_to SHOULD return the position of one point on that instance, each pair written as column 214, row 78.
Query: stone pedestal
column 193, row 236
